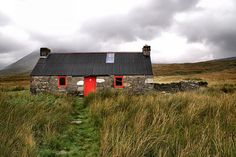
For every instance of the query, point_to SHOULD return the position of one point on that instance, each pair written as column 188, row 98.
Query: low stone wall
column 179, row 86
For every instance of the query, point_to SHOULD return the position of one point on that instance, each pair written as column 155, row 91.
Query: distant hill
column 24, row 65
column 195, row 68
column 226, row 59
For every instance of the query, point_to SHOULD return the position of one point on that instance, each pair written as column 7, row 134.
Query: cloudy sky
column 177, row 30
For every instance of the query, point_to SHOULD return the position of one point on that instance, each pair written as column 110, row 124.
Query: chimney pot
column 44, row 52
column 146, row 50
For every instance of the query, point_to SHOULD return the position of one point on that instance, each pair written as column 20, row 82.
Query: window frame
column 115, row 77
column 59, row 77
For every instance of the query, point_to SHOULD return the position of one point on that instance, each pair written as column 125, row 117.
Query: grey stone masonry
column 50, row 84
column 179, row 86
column 135, row 84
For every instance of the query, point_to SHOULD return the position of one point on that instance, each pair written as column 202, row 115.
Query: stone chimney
column 146, row 50
column 44, row 52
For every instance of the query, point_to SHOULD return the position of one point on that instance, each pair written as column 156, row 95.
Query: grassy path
column 80, row 138
column 87, row 134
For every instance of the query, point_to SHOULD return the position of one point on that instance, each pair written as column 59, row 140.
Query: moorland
column 191, row 123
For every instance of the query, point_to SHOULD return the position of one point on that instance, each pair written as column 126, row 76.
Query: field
column 43, row 124
column 194, row 123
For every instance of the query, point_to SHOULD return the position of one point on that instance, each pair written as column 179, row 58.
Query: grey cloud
column 8, row 44
column 80, row 43
column 143, row 22
column 147, row 22
column 214, row 29
column 4, row 20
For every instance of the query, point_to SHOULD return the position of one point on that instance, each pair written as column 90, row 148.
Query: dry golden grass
column 14, row 82
column 226, row 76
column 192, row 68
column 215, row 73
column 200, row 123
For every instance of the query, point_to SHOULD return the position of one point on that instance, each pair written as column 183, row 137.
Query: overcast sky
column 177, row 30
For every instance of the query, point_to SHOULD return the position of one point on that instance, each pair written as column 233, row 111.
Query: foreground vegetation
column 193, row 123
column 30, row 121
column 41, row 125
column 201, row 123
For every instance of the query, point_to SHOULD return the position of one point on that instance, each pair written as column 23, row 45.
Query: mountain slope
column 24, row 65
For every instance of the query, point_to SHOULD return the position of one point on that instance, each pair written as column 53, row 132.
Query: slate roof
column 93, row 64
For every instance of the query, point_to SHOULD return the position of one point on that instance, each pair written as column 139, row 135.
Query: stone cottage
column 88, row 72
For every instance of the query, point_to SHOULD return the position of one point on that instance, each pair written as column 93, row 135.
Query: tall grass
column 29, row 122
column 201, row 123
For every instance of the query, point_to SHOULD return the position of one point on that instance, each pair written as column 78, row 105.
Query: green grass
column 32, row 125
column 77, row 140
column 27, row 122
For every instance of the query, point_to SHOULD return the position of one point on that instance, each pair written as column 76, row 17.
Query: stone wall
column 72, row 86
column 179, row 86
column 107, row 84
column 135, row 84
column 50, row 84
column 43, row 84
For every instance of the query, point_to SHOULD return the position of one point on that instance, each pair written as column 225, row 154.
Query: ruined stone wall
column 136, row 84
column 179, row 86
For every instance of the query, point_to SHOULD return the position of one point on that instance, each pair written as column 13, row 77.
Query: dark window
column 61, row 81
column 118, row 82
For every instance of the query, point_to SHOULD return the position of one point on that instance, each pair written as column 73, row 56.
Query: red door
column 89, row 85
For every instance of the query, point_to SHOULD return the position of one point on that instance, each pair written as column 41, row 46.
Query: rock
column 76, row 122
column 62, row 152
column 202, row 84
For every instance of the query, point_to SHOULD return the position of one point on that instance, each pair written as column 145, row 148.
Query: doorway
column 89, row 85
